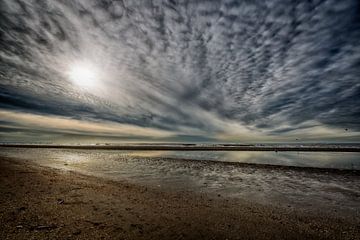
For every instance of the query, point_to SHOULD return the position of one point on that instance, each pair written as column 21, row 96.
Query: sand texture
column 43, row 203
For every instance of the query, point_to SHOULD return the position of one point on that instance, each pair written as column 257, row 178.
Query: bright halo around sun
column 84, row 75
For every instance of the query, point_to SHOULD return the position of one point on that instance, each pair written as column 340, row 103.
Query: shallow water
column 290, row 187
column 337, row 160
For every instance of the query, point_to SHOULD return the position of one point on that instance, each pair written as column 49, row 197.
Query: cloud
column 260, row 69
column 72, row 126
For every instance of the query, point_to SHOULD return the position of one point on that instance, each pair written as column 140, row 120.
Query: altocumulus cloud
column 218, row 70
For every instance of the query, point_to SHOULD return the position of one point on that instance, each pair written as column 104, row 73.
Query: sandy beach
column 43, row 203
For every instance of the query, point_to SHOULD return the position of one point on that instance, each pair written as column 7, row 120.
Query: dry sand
column 42, row 203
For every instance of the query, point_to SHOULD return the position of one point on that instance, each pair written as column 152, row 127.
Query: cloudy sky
column 238, row 71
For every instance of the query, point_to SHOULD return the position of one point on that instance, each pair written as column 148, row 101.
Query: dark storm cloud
column 194, row 67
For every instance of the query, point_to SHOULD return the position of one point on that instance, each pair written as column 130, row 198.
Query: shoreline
column 41, row 202
column 266, row 166
column 189, row 147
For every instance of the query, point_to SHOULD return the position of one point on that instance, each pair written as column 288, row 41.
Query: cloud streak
column 56, row 124
column 260, row 69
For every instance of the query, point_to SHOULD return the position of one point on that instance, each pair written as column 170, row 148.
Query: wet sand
column 43, row 203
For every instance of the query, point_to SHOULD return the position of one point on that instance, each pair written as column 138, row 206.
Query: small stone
column 21, row 209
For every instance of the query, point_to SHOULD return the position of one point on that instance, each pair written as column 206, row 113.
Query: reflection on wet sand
column 224, row 174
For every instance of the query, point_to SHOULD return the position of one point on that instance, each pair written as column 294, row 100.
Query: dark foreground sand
column 42, row 203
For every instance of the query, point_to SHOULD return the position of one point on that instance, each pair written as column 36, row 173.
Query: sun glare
column 83, row 75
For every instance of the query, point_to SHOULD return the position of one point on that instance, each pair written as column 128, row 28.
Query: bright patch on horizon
column 84, row 75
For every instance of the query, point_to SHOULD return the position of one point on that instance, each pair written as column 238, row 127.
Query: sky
column 186, row 71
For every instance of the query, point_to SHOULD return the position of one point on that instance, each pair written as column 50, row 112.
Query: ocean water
column 219, row 173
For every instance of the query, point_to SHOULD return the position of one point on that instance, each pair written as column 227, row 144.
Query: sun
column 84, row 75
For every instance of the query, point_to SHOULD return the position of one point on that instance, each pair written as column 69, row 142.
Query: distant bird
column 346, row 129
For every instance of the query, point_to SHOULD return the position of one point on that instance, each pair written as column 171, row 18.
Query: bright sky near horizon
column 239, row 71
